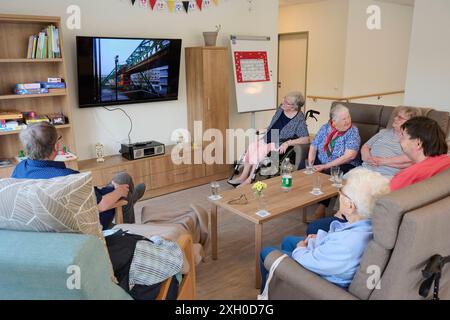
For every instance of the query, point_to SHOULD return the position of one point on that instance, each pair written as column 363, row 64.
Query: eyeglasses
column 287, row 103
column 401, row 118
column 241, row 200
column 345, row 196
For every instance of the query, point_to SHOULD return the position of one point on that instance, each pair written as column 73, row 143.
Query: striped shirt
column 385, row 144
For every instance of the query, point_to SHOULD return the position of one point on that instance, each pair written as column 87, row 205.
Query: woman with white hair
column 336, row 144
column 335, row 255
column 287, row 128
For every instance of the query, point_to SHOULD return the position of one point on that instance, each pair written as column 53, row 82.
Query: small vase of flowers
column 258, row 189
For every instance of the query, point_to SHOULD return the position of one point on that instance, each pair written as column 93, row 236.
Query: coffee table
column 277, row 203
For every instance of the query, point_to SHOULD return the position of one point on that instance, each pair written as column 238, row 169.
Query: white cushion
column 63, row 204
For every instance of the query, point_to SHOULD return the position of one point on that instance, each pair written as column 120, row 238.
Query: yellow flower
column 259, row 186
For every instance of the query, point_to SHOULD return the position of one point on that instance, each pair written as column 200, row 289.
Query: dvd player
column 140, row 150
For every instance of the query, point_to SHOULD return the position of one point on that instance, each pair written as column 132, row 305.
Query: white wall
column 152, row 121
column 347, row 59
column 376, row 60
column 428, row 77
column 326, row 22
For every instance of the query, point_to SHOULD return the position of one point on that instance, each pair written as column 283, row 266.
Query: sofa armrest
column 293, row 282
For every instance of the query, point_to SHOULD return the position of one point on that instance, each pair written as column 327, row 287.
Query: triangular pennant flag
column 171, row 5
column 132, row 2
column 186, row 6
column 199, row 4
column 216, row 2
column 152, row 4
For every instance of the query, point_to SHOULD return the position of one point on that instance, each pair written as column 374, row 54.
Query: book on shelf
column 10, row 115
column 53, row 85
column 57, row 90
column 44, row 45
column 5, row 162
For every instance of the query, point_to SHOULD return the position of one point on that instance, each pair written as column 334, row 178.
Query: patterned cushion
column 63, row 204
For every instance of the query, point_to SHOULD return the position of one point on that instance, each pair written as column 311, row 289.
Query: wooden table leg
column 214, row 231
column 304, row 216
column 258, row 247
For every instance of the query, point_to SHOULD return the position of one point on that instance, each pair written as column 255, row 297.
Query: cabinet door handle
column 180, row 173
column 209, row 104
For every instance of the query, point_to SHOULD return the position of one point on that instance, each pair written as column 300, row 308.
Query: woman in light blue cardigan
column 335, row 255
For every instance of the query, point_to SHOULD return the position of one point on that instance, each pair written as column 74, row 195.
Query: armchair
column 409, row 226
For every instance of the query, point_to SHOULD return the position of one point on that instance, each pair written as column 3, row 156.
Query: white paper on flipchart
column 254, row 96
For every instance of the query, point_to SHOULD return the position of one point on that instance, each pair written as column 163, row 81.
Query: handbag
column 265, row 294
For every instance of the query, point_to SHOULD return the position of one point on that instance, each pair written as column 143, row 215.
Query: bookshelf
column 15, row 31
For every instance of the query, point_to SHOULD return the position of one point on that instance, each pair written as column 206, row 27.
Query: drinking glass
column 317, row 185
column 215, row 186
column 338, row 180
column 308, row 167
column 334, row 172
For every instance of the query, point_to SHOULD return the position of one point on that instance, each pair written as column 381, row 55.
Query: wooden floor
column 231, row 277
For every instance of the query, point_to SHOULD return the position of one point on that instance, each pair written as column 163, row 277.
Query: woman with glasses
column 287, row 128
column 383, row 152
column 335, row 255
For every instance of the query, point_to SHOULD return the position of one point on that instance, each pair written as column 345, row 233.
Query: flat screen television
column 115, row 71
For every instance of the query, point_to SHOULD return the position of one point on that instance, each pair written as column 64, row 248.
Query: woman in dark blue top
column 287, row 128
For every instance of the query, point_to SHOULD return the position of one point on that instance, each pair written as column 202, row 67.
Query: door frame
column 307, row 62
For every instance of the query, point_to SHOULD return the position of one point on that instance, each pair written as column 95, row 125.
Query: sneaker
column 138, row 192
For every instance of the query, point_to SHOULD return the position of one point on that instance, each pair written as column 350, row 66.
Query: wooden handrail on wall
column 378, row 95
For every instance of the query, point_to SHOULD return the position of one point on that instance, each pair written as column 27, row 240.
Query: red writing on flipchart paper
column 251, row 66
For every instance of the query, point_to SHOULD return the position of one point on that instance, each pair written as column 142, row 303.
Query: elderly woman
column 336, row 144
column 287, row 128
column 335, row 255
column 383, row 152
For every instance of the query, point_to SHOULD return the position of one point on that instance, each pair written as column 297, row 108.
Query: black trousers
column 121, row 246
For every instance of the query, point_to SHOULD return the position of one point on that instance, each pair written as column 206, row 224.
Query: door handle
column 279, row 84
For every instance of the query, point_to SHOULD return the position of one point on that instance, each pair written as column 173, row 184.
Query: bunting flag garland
column 177, row 6
column 199, row 4
column 186, row 6
column 171, row 5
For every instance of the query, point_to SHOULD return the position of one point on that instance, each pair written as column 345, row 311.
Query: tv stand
column 159, row 173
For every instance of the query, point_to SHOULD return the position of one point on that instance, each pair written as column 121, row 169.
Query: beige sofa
column 410, row 226
column 372, row 118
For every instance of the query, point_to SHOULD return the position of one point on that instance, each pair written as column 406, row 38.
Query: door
column 292, row 63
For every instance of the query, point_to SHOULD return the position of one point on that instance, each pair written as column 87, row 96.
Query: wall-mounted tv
column 127, row 70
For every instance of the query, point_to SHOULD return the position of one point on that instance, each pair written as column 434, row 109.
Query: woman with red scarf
column 336, row 144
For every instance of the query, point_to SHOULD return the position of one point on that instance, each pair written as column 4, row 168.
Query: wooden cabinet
column 160, row 174
column 207, row 96
column 15, row 31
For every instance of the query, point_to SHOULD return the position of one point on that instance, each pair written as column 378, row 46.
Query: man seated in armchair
column 41, row 144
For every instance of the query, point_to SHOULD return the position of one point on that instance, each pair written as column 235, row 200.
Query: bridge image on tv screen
column 132, row 69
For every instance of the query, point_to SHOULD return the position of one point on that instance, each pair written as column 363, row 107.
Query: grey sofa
column 370, row 119
column 410, row 226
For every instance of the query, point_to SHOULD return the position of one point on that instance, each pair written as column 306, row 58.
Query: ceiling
column 291, row 2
